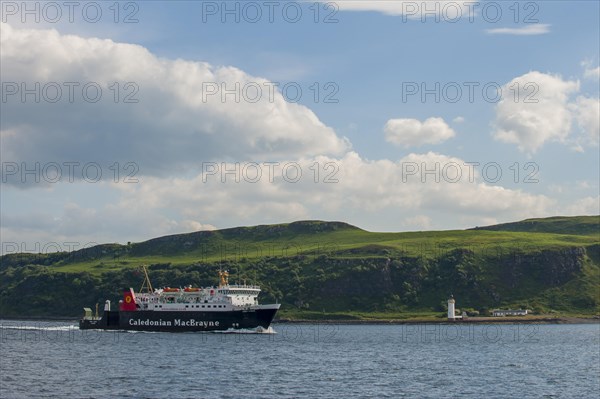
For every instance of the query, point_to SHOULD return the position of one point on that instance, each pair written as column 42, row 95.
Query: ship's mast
column 146, row 283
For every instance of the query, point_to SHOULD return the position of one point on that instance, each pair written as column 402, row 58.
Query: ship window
column 202, row 305
column 186, row 306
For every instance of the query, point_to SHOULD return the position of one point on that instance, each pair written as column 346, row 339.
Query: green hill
column 580, row 225
column 329, row 269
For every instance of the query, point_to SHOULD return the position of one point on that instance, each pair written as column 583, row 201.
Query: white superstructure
column 224, row 298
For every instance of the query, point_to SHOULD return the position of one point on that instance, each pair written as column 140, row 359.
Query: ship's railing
column 253, row 287
column 202, row 289
column 203, row 293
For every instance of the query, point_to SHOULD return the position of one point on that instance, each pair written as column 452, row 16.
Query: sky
column 124, row 121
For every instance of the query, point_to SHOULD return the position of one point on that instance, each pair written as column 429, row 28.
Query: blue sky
column 369, row 138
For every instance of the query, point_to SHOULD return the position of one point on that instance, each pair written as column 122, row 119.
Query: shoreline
column 415, row 321
column 472, row 320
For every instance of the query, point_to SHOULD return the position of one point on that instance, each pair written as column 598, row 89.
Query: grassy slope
column 578, row 225
column 345, row 241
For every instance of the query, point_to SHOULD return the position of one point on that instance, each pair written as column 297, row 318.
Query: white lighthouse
column 451, row 302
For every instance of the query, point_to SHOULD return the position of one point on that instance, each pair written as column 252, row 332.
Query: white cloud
column 412, row 132
column 539, row 113
column 412, row 191
column 528, row 30
column 458, row 119
column 448, row 10
column 587, row 114
column 593, row 73
column 589, row 71
column 367, row 187
column 174, row 127
column 192, row 225
column 584, row 206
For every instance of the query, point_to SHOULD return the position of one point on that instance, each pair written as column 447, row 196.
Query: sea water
column 57, row 360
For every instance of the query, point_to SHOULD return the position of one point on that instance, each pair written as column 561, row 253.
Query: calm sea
column 56, row 360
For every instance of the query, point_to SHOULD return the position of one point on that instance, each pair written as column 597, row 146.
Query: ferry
column 189, row 309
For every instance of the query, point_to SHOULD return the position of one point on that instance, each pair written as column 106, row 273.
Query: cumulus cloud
column 528, row 30
column 344, row 186
column 176, row 123
column 537, row 108
column 534, row 109
column 412, row 132
column 409, row 193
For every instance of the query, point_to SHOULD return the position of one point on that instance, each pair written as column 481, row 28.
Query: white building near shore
column 509, row 312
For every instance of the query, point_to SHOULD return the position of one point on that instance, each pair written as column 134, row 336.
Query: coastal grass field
column 252, row 243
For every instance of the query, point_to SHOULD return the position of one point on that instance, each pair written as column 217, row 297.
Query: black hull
column 176, row 321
